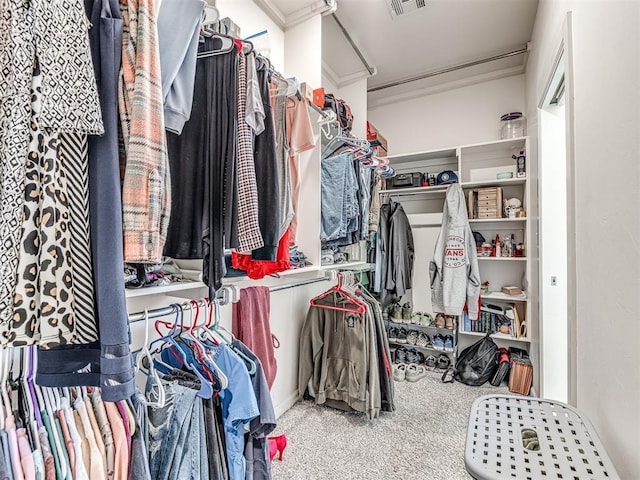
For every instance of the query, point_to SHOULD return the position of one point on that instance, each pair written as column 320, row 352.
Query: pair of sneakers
column 419, row 339
column 408, row 355
column 444, row 321
column 400, row 313
column 443, row 342
column 421, row 318
column 411, row 373
column 397, row 335
column 441, row 362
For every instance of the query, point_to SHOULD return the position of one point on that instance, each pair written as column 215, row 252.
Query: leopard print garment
column 16, row 64
column 44, row 299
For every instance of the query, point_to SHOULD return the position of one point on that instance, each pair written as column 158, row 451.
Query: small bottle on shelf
column 498, row 247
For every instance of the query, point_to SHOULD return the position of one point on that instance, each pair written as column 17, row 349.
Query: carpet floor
column 423, row 439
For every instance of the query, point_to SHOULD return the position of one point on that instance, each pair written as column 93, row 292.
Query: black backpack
column 477, row 364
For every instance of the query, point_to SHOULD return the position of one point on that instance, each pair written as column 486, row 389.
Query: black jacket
column 400, row 253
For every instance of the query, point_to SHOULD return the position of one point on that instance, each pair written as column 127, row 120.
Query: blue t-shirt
column 239, row 406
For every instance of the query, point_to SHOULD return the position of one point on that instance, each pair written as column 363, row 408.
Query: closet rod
column 164, row 311
column 298, row 284
column 513, row 53
column 370, row 69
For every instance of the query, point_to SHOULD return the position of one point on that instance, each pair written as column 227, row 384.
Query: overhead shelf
column 504, row 259
column 497, row 336
column 163, row 289
column 498, row 220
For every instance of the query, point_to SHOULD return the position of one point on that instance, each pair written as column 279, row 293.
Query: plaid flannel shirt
column 146, row 190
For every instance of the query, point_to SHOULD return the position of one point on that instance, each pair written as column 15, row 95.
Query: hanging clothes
column 146, row 188
column 43, row 306
column 256, row 451
column 249, row 235
column 178, row 34
column 65, row 104
column 285, row 202
column 453, row 271
column 344, row 353
column 205, row 156
column 16, row 46
column 394, row 254
column 111, row 365
column 266, row 166
column 300, row 139
column 251, row 326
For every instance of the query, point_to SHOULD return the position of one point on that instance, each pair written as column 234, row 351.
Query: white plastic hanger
column 198, row 330
column 212, row 15
column 158, row 389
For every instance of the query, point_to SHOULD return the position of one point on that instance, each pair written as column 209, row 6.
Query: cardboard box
column 511, row 290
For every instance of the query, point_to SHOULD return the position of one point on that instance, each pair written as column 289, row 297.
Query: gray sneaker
column 393, row 335
column 412, row 357
column 402, row 336
column 401, row 355
column 412, row 337
column 406, row 312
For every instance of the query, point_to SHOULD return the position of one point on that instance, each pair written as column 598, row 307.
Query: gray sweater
column 454, row 274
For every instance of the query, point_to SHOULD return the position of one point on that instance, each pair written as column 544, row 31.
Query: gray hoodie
column 454, row 274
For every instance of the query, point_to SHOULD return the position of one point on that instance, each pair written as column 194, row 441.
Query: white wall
column 303, row 51
column 454, row 117
column 251, row 19
column 329, row 85
column 355, row 94
column 605, row 138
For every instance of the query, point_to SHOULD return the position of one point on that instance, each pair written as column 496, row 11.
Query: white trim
column 329, row 73
column 272, row 12
column 319, row 7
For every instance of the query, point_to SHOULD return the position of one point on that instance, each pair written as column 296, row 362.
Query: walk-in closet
column 319, row 239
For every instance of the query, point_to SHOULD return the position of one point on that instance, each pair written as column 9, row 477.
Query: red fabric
column 252, row 327
column 257, row 269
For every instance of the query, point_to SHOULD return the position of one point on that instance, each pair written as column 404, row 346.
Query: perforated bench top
column 569, row 448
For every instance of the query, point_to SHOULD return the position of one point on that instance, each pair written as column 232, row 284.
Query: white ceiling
column 443, row 34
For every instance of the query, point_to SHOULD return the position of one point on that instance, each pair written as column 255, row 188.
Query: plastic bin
column 569, row 446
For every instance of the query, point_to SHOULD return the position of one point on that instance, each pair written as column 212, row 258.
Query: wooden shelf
column 497, row 336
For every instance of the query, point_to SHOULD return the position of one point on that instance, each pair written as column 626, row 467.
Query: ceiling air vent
column 400, row 8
